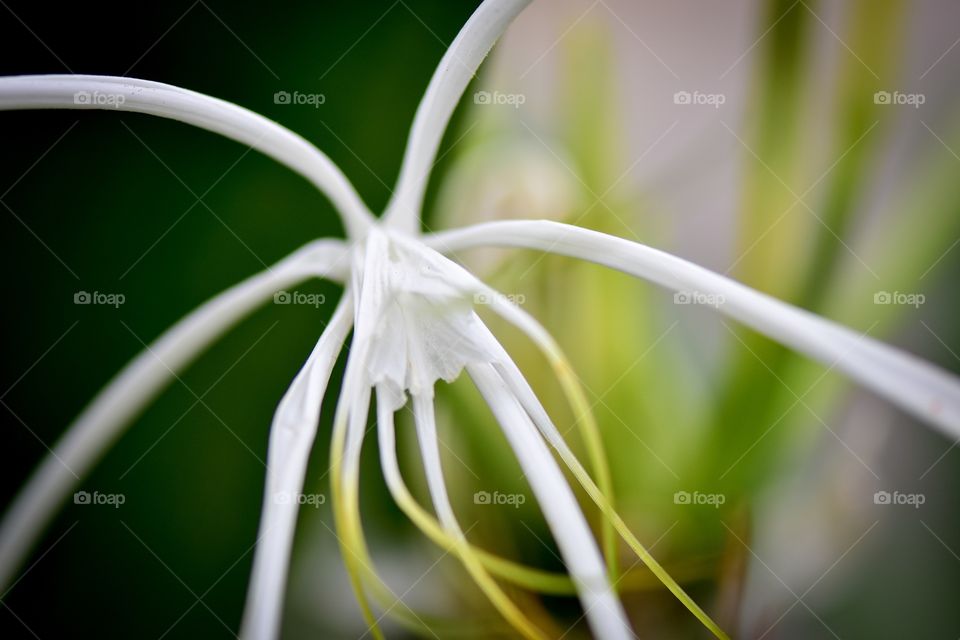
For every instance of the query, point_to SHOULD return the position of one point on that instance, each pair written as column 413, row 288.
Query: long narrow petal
column 519, row 386
column 213, row 114
column 604, row 612
column 447, row 85
column 924, row 390
column 292, row 435
column 132, row 389
column 573, row 390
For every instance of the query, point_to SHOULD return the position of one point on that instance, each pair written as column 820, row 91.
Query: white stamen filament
column 430, row 452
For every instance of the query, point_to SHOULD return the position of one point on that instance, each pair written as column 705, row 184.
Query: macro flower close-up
column 629, row 321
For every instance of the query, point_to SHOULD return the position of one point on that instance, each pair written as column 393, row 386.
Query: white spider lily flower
column 414, row 323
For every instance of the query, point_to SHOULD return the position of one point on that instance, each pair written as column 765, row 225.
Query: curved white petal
column 213, row 114
column 131, row 390
column 291, row 438
column 521, row 389
column 928, row 392
column 447, row 85
column 603, row 610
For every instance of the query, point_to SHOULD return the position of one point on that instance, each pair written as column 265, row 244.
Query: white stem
column 449, row 81
column 213, row 114
column 603, row 611
column 104, row 419
column 292, row 435
column 931, row 394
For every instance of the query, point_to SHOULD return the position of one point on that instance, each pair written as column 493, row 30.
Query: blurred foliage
column 671, row 421
column 114, row 208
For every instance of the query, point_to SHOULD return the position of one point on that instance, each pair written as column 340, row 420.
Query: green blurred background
column 116, row 201
column 168, row 215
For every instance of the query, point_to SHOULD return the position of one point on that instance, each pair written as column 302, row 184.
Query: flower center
column 415, row 322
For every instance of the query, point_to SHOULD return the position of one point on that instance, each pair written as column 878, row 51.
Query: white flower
column 413, row 319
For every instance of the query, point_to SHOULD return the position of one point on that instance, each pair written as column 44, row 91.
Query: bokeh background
column 785, row 171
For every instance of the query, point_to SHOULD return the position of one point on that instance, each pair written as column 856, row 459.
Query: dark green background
column 99, row 199
column 83, row 189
